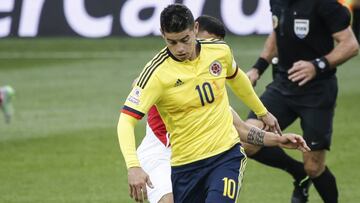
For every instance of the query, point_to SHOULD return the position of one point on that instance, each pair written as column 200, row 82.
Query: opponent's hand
column 271, row 123
column 293, row 141
column 138, row 179
column 302, row 72
column 253, row 75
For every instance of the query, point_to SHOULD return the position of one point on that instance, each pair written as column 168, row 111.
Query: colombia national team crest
column 215, row 68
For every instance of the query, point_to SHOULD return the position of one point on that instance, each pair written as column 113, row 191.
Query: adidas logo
column 178, row 83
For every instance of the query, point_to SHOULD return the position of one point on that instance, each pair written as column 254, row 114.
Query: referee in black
column 304, row 86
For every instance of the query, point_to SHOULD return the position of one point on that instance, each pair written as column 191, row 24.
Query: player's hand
column 293, row 141
column 271, row 123
column 138, row 179
column 302, row 72
column 253, row 75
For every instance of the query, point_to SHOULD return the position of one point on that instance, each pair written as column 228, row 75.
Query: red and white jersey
column 154, row 149
column 157, row 126
column 154, row 154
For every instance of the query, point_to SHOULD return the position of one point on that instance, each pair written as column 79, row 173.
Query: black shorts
column 315, row 111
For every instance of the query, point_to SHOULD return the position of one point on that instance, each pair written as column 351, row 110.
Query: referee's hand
column 302, row 72
column 138, row 179
column 271, row 123
column 253, row 75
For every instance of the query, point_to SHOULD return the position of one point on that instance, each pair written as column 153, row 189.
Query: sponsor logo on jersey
column 133, row 100
column 301, row 27
column 136, row 92
column 215, row 68
column 134, row 96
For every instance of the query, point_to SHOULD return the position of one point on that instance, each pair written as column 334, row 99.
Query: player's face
column 182, row 44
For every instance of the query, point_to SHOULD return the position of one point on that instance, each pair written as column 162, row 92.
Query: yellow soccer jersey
column 192, row 100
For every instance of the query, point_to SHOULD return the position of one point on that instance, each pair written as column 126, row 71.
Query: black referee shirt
column 304, row 28
column 304, row 31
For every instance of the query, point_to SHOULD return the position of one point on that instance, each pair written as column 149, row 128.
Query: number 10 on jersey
column 205, row 90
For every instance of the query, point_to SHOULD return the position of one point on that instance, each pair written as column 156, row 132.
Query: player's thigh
column 156, row 164
column 317, row 126
column 314, row 162
column 167, row 198
column 188, row 185
column 160, row 177
column 278, row 105
column 224, row 182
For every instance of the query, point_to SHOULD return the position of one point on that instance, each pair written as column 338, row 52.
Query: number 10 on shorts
column 229, row 188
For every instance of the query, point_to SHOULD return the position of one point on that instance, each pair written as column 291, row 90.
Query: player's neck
column 196, row 52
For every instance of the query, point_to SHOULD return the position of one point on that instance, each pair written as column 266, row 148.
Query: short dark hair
column 176, row 18
column 212, row 25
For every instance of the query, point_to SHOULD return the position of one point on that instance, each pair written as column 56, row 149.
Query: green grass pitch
column 62, row 145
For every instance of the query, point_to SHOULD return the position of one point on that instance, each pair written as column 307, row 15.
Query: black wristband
column 321, row 65
column 261, row 64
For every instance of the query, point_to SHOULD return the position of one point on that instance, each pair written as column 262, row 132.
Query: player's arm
column 264, row 60
column 241, row 86
column 256, row 136
column 138, row 102
column 137, row 178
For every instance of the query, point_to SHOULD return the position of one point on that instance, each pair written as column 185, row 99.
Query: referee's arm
column 347, row 47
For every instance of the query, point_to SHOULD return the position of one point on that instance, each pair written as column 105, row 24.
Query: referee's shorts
column 315, row 111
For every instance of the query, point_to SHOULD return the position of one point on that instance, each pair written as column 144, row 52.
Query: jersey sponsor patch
column 137, row 92
column 134, row 96
column 133, row 100
column 301, row 27
column 215, row 68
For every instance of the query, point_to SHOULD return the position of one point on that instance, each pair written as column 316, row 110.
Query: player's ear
column 162, row 33
column 196, row 28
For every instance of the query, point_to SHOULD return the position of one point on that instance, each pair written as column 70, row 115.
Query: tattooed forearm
column 256, row 136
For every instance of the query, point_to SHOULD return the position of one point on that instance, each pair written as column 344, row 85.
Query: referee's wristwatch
column 321, row 65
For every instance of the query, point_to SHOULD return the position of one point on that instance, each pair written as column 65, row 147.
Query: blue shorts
column 212, row 180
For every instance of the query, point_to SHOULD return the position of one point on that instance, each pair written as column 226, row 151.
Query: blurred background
column 72, row 62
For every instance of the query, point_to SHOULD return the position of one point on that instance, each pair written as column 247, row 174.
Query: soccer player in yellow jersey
column 186, row 81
